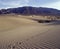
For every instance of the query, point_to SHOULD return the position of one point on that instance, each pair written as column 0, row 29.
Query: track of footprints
column 48, row 40
column 31, row 43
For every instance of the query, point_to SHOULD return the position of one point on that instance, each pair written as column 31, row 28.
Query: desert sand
column 24, row 33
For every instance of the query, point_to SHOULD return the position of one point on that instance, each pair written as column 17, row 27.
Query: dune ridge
column 25, row 33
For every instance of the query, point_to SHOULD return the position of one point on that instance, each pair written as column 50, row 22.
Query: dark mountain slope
column 31, row 11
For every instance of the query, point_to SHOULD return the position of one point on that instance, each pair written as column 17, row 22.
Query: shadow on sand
column 55, row 22
column 48, row 22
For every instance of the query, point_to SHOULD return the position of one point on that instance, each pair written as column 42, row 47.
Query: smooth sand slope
column 10, row 22
column 22, row 33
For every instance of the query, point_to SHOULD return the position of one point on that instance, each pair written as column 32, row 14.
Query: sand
column 23, row 33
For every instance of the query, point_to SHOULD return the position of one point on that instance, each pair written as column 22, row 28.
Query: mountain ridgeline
column 31, row 11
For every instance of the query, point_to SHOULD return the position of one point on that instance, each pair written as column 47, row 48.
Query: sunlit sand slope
column 22, row 33
column 7, row 23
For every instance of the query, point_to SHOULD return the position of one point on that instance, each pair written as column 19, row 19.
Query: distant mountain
column 27, row 10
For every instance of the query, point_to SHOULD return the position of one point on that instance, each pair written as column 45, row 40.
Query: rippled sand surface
column 20, row 33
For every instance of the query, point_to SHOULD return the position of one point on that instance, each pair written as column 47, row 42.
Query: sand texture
column 24, row 33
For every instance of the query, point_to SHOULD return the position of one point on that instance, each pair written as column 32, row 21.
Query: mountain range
column 28, row 10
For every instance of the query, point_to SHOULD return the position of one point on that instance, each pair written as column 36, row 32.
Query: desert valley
column 29, row 31
column 23, row 32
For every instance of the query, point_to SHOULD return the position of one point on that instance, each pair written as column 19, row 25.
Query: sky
column 35, row 3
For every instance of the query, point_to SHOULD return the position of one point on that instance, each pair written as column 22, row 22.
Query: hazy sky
column 38, row 3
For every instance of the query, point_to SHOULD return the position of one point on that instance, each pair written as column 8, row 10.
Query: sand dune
column 7, row 22
column 24, row 33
